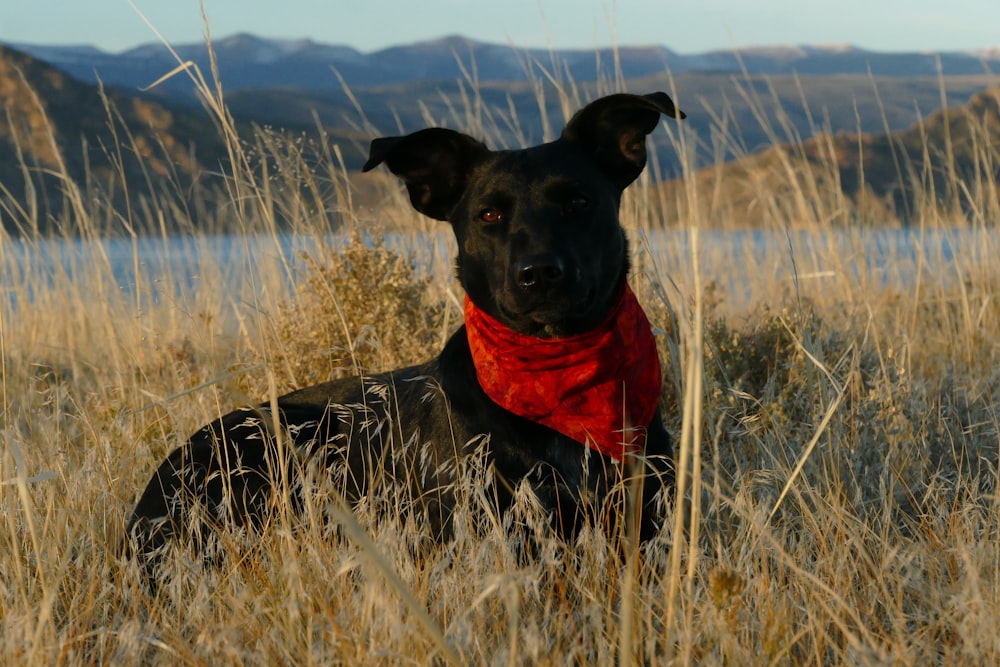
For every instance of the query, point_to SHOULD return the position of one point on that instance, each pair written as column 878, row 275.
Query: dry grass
column 838, row 435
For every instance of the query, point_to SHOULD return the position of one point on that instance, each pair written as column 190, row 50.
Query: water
column 875, row 258
column 169, row 267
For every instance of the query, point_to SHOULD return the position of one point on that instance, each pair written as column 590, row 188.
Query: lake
column 167, row 267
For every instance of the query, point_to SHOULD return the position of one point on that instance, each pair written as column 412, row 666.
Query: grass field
column 838, row 442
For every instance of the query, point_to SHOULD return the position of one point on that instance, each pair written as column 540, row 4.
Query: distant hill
column 54, row 126
column 248, row 61
column 951, row 159
column 729, row 115
column 740, row 106
column 800, row 90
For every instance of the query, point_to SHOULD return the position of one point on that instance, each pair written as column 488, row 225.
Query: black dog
column 554, row 378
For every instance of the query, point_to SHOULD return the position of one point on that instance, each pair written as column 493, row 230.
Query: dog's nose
column 539, row 271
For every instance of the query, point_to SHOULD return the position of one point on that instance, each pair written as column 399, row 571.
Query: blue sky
column 683, row 25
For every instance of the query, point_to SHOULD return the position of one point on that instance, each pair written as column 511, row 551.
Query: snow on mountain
column 986, row 54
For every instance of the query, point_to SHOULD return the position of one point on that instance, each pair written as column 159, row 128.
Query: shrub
column 363, row 308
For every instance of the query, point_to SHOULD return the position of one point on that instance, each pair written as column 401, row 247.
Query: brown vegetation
column 838, row 440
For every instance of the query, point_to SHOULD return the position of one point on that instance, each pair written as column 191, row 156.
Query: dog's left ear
column 613, row 129
column 434, row 163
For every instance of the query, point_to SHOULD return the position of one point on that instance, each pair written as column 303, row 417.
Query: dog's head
column 540, row 247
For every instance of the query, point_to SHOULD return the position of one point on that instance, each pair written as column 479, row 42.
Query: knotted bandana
column 601, row 387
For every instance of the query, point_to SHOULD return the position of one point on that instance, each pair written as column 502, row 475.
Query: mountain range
column 248, row 61
column 83, row 112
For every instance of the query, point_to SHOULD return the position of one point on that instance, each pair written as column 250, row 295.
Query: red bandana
column 600, row 387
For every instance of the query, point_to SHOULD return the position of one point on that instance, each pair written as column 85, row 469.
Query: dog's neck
column 600, row 388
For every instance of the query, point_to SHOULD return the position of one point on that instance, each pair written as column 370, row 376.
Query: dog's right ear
column 434, row 163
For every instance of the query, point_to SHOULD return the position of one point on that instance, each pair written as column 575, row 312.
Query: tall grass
column 838, row 433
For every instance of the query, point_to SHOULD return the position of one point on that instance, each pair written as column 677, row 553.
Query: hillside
column 247, row 61
column 830, row 130
column 53, row 127
column 293, row 83
column 728, row 115
column 949, row 159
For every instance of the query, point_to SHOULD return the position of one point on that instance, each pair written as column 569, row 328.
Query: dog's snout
column 540, row 271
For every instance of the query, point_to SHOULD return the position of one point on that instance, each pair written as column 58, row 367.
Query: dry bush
column 362, row 308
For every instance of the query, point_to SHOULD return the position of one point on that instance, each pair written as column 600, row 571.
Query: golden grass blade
column 807, row 452
column 360, row 536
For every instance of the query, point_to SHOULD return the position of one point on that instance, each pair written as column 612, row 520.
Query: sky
column 686, row 26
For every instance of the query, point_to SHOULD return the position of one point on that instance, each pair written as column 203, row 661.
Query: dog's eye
column 490, row 215
column 577, row 203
